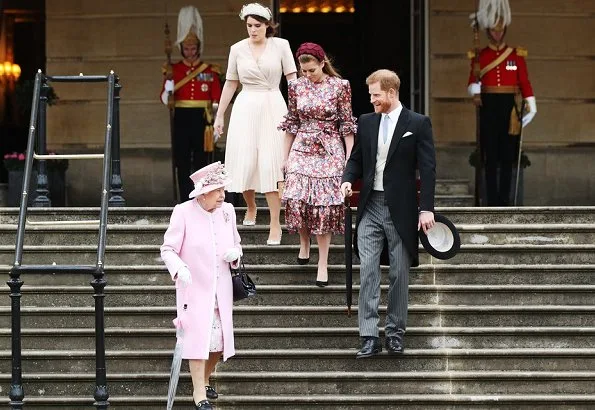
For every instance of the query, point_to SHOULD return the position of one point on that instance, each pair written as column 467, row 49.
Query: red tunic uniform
column 511, row 72
column 500, row 83
column 204, row 87
column 193, row 114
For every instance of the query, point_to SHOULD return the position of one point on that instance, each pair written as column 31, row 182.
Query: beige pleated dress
column 254, row 148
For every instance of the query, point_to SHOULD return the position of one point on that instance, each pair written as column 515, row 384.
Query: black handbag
column 243, row 287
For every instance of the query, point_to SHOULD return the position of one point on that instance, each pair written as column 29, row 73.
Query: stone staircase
column 508, row 323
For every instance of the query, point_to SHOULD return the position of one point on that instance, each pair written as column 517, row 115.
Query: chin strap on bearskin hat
column 190, row 29
column 492, row 14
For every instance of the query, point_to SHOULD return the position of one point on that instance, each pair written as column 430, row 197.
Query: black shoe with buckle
column 394, row 344
column 211, row 393
column 203, row 405
column 370, row 346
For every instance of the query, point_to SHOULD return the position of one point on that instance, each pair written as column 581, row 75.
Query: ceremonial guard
column 499, row 83
column 192, row 89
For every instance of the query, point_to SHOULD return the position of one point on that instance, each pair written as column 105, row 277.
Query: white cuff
column 531, row 103
column 164, row 97
column 474, row 88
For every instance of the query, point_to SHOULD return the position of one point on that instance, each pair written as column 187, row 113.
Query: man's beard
column 384, row 107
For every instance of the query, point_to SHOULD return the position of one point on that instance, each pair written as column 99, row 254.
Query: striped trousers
column 374, row 227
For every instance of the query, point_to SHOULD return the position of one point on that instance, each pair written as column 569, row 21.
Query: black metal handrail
column 98, row 283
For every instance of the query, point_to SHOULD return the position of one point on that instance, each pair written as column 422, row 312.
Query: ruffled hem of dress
column 313, row 191
column 318, row 220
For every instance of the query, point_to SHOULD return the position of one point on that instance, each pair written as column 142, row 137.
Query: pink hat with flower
column 209, row 178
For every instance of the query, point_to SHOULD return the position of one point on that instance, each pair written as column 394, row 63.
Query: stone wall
column 94, row 37
column 90, row 37
column 560, row 141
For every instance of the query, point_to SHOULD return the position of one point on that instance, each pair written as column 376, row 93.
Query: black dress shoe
column 203, row 405
column 394, row 344
column 370, row 346
column 303, row 261
column 211, row 393
column 321, row 284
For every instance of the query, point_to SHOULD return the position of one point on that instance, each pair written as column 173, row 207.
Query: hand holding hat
column 442, row 240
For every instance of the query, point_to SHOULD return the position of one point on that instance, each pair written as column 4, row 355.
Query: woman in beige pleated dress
column 254, row 148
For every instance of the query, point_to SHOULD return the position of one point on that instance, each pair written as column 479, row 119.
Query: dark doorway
column 23, row 24
column 376, row 35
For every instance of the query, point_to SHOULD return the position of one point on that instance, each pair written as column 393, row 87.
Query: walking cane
column 348, row 257
column 518, row 162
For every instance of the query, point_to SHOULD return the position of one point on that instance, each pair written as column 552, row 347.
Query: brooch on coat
column 226, row 217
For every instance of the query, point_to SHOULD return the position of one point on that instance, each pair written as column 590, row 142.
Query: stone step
column 452, row 186
column 312, row 360
column 443, row 274
column 286, row 254
column 245, row 316
column 495, row 234
column 319, row 383
column 459, row 215
column 422, row 401
column 312, row 337
column 159, row 295
column 487, row 215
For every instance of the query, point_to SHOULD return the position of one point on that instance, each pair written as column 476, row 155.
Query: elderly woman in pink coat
column 198, row 247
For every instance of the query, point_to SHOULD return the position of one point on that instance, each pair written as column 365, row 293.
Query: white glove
column 169, row 86
column 474, row 88
column 532, row 110
column 232, row 255
column 184, row 276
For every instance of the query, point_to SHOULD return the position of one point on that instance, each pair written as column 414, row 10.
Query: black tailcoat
column 405, row 156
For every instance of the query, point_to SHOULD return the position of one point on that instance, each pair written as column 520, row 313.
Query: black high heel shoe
column 203, row 405
column 303, row 261
column 321, row 284
column 211, row 393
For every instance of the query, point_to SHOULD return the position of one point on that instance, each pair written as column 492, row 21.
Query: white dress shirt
column 382, row 152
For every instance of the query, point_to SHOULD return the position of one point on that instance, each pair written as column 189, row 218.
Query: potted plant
column 56, row 169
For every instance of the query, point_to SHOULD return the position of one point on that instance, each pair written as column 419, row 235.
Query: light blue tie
column 385, row 120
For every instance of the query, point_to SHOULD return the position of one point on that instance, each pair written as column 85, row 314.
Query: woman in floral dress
column 318, row 121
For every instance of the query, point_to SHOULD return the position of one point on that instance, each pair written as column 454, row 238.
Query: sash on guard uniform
column 514, row 127
column 209, row 135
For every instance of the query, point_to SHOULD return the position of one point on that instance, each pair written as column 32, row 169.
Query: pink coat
column 198, row 239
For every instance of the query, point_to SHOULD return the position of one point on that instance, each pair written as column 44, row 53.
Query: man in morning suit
column 390, row 145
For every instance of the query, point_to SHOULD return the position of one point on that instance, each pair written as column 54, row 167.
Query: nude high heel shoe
column 249, row 222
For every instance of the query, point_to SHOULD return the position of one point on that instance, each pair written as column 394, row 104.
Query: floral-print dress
column 320, row 116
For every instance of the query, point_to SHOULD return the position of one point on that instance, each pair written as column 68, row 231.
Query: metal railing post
column 17, row 393
column 42, row 199
column 116, row 190
column 99, row 282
